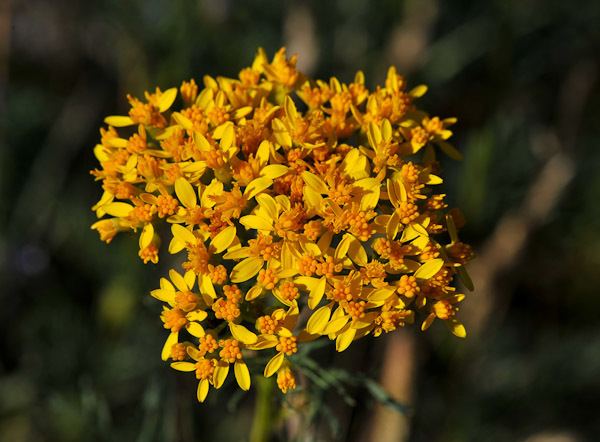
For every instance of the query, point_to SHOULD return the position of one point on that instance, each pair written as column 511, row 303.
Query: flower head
column 283, row 196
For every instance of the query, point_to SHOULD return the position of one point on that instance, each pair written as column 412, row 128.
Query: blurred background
column 79, row 337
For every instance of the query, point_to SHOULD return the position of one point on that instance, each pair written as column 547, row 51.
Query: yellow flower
column 285, row 197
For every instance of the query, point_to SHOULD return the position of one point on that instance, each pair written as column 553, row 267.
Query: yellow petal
column 146, row 236
column 316, row 293
column 342, row 247
column 434, row 179
column 281, row 133
column 243, row 252
column 242, row 375
column 246, row 269
column 256, row 186
column 195, row 329
column 427, row 322
column 357, row 253
column 178, row 280
column 189, row 277
column 228, row 137
column 121, row 210
column 386, row 130
column 166, row 350
column 429, row 268
column 201, row 142
column 166, row 99
column 206, row 286
column 184, row 122
column 183, row 366
column 220, row 374
column 290, row 109
column 242, row 334
column 418, row 91
column 215, row 188
column 164, row 295
column 335, row 325
column 318, row 320
column 118, row 121
column 182, row 234
column 381, row 294
column 374, row 135
column 176, row 246
column 202, row 391
column 198, row 315
column 457, row 328
column 268, row 204
column 256, row 222
column 344, row 339
column 273, row 365
column 223, row 239
column 314, row 182
column 253, row 293
column 185, row 193
column 263, row 342
column 274, row 171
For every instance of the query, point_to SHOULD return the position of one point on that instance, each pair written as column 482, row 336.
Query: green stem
column 263, row 413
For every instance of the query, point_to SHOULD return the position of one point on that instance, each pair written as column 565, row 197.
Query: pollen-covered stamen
column 264, row 247
column 196, row 115
column 208, row 344
column 205, row 368
column 358, row 224
column 142, row 213
column 198, row 258
column 408, row 286
column 373, row 273
column 341, row 291
column 460, row 252
column 429, row 252
column 288, row 291
column 408, row 212
column 328, row 267
column 232, row 293
column 307, row 265
column 443, row 309
column 356, row 309
column 166, row 205
column 419, row 136
column 287, row 345
column 267, row 324
column 178, row 352
column 286, row 380
column 267, row 278
column 217, row 274
column 189, row 91
column 312, row 229
column 226, row 309
column 436, row 202
column 231, row 351
column 174, row 319
column 186, row 301
column 149, row 254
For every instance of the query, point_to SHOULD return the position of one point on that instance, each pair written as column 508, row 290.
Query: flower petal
column 242, row 334
column 246, row 269
column 202, row 391
column 242, row 375
column 274, row 364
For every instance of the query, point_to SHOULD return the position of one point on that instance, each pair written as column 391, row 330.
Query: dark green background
column 80, row 339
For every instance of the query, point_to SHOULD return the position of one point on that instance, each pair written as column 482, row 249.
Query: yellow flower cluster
column 303, row 210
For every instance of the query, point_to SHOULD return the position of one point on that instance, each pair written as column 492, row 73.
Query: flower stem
column 263, row 413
